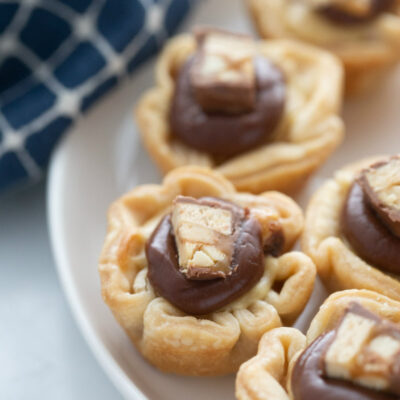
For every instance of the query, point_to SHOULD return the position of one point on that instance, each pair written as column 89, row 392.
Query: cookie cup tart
column 351, row 229
column 351, row 352
column 262, row 113
column 364, row 34
column 196, row 272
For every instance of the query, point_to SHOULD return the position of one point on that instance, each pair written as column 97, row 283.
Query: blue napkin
column 57, row 57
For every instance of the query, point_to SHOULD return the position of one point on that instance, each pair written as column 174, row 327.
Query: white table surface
column 42, row 354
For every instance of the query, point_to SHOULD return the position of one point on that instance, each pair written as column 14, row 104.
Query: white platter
column 102, row 158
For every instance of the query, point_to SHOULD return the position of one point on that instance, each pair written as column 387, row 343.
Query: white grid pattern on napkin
column 68, row 101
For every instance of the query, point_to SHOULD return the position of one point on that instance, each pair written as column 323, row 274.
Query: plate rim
column 123, row 384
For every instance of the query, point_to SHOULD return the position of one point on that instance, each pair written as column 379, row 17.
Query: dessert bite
column 353, row 225
column 364, row 34
column 191, row 270
column 265, row 114
column 351, row 352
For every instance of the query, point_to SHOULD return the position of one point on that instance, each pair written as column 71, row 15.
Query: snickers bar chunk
column 205, row 235
column 223, row 76
column 365, row 351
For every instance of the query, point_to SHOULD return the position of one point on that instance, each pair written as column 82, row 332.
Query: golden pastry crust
column 173, row 341
column 338, row 265
column 367, row 50
column 267, row 376
column 308, row 133
column 263, row 377
column 334, row 306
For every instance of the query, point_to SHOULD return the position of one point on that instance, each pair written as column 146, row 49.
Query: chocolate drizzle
column 225, row 135
column 203, row 297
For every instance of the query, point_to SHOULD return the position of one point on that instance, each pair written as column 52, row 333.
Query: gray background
column 42, row 354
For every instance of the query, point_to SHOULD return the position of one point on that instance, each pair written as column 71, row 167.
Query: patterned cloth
column 57, row 57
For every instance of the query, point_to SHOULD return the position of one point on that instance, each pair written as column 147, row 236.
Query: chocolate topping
column 200, row 297
column 381, row 186
column 341, row 15
column 223, row 134
column 366, row 233
column 309, row 381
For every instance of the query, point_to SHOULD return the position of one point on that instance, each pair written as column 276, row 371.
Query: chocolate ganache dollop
column 368, row 223
column 228, row 98
column 354, row 12
column 205, row 254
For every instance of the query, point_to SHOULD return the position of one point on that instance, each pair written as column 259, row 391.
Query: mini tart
column 308, row 132
column 367, row 50
column 213, row 344
column 268, row 375
column 338, row 264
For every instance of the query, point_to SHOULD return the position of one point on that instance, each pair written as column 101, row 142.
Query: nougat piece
column 381, row 185
column 205, row 233
column 223, row 76
column 365, row 351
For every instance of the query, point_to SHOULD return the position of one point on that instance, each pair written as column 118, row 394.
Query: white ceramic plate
column 102, row 158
